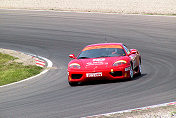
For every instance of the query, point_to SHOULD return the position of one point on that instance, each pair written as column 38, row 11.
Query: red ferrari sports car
column 109, row 61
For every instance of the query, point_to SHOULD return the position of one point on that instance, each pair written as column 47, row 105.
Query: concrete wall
column 117, row 6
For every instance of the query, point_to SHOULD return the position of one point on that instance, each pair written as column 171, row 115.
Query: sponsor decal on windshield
column 102, row 46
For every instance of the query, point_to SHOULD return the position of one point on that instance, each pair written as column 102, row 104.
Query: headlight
column 119, row 63
column 75, row 65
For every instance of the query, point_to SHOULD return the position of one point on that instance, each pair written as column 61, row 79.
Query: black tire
column 73, row 83
column 131, row 72
column 139, row 70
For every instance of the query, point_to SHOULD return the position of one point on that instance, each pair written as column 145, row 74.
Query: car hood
column 98, row 63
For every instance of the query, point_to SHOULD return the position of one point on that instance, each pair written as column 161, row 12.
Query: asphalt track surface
column 55, row 35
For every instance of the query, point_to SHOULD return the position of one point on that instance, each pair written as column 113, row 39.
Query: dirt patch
column 158, row 112
column 22, row 58
column 107, row 6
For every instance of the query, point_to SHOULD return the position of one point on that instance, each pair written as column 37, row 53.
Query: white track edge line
column 90, row 12
column 50, row 64
column 135, row 109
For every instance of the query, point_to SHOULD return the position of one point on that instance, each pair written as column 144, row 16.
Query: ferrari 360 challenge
column 108, row 61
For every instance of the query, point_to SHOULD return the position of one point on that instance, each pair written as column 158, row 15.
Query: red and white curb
column 39, row 62
column 48, row 64
column 130, row 110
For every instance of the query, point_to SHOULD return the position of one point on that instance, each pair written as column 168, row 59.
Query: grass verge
column 11, row 71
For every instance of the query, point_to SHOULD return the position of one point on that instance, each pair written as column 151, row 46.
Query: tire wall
column 109, row 6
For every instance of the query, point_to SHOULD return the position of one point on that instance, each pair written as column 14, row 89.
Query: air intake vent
column 116, row 73
column 76, row 76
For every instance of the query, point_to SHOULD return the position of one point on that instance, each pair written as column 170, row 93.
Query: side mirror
column 133, row 51
column 72, row 56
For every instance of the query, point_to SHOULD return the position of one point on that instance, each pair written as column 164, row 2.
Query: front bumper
column 107, row 74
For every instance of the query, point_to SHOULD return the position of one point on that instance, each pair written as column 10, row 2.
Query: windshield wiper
column 83, row 57
column 102, row 56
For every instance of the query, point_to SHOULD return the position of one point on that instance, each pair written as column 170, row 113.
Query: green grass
column 11, row 71
column 173, row 113
column 160, row 14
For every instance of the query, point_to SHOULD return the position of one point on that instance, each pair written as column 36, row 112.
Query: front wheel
column 131, row 72
column 139, row 70
column 73, row 83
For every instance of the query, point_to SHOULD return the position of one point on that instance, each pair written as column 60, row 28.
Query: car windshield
column 101, row 52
